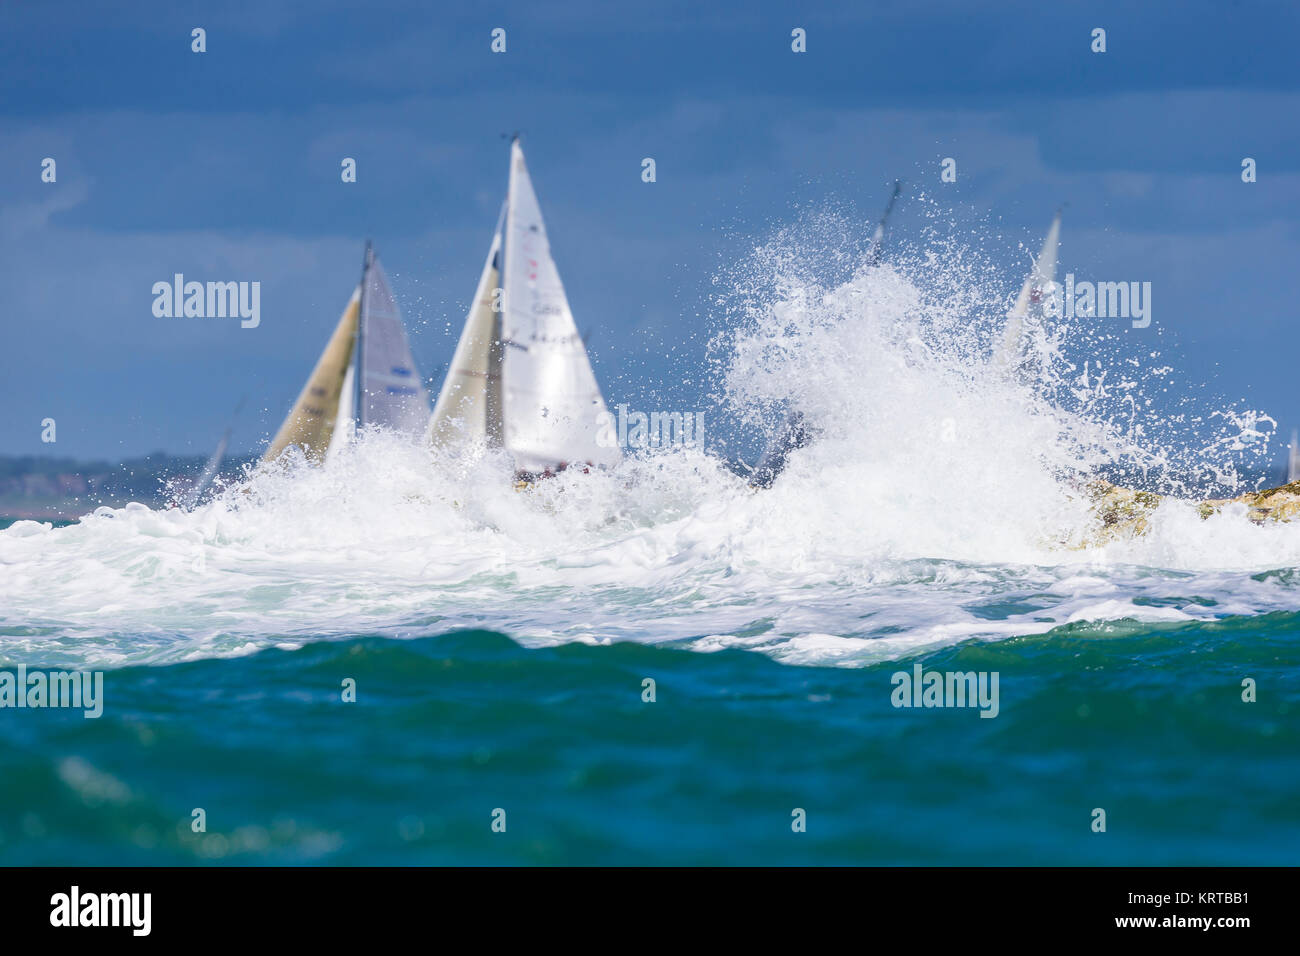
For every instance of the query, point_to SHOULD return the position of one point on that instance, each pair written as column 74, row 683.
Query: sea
column 398, row 658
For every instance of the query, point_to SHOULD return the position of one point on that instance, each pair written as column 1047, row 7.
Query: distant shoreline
column 66, row 510
column 40, row 514
column 59, row 521
column 37, row 488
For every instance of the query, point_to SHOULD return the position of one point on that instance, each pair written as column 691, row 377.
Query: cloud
column 256, row 195
column 32, row 217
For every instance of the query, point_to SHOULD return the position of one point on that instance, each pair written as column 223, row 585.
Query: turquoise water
column 1146, row 722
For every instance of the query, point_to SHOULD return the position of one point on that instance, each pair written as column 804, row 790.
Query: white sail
column 469, row 405
column 209, row 472
column 1293, row 459
column 390, row 391
column 1037, row 284
column 345, row 425
column 551, row 404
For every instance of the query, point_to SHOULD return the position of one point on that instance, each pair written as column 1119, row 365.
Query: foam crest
column 939, row 502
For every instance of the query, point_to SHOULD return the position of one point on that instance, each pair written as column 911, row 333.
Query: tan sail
column 310, row 424
column 469, row 405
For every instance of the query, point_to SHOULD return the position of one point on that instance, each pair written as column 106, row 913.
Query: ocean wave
column 940, row 503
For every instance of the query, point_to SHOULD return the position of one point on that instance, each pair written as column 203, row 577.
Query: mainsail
column 1028, row 305
column 310, row 424
column 389, row 391
column 365, row 376
column 521, row 375
column 1293, row 459
column 551, row 404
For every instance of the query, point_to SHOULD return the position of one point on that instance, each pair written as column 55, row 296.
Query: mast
column 358, row 387
column 494, row 412
column 878, row 238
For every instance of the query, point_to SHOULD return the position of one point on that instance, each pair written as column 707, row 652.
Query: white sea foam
column 937, row 505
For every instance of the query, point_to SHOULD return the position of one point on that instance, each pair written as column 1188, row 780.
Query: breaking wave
column 938, row 503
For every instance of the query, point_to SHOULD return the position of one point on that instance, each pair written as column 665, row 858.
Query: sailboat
column 1028, row 307
column 878, row 237
column 520, row 378
column 796, row 431
column 208, row 474
column 365, row 376
column 1293, row 458
column 191, row 497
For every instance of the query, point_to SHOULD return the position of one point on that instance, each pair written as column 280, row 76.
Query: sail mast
column 878, row 238
column 359, row 394
column 494, row 416
column 496, row 410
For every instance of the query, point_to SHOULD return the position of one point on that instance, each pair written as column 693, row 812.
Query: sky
column 225, row 165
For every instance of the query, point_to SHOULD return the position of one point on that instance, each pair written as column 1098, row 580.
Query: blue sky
column 225, row 165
